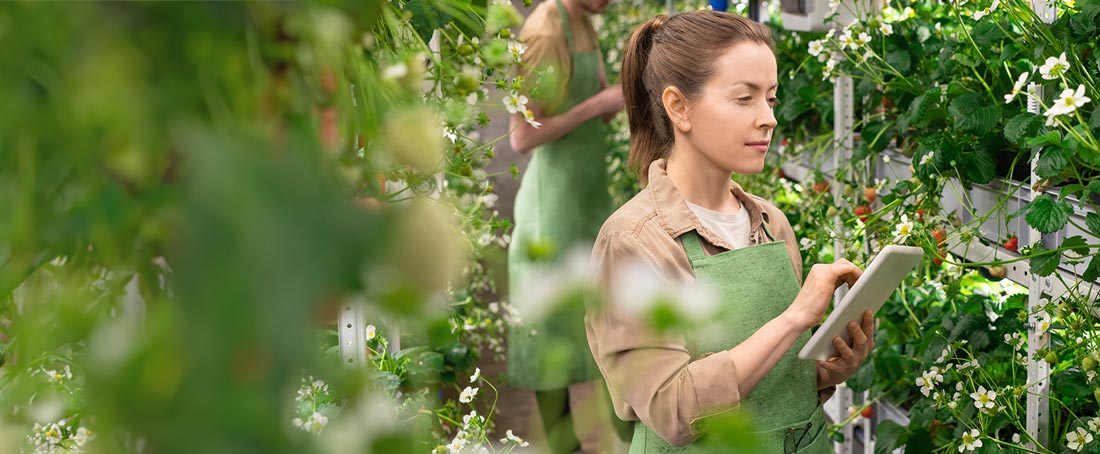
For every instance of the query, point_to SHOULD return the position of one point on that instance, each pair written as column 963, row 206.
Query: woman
column 700, row 89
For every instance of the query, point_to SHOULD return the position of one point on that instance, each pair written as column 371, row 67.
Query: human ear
column 676, row 107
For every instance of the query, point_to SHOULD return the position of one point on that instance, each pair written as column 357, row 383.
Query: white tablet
column 870, row 291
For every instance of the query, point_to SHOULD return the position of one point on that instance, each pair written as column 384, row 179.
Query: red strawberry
column 821, row 187
column 920, row 214
column 863, row 211
column 940, row 235
column 867, row 412
column 1012, row 244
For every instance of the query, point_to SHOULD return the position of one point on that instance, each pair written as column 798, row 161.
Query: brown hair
column 677, row 50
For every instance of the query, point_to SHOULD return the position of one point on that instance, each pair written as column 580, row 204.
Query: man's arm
column 525, row 137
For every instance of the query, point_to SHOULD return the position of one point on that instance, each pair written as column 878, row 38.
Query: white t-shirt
column 734, row 228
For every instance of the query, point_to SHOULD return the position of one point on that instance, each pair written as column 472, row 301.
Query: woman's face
column 732, row 120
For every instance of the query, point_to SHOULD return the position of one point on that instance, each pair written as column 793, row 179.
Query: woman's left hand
column 835, row 370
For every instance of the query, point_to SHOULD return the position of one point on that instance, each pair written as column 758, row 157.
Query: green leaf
column 972, row 113
column 982, row 168
column 1094, row 120
column 987, row 33
column 1072, row 385
column 1092, row 220
column 899, row 59
column 1044, row 265
column 888, row 436
column 1093, row 271
column 920, row 442
column 1050, row 138
column 877, row 135
column 1076, row 244
column 1019, row 127
column 1047, row 215
column 1092, row 188
column 1051, row 161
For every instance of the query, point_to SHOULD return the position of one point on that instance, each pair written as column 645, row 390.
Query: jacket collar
column 676, row 218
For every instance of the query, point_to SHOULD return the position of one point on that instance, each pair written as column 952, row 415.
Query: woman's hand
column 835, row 370
column 817, row 292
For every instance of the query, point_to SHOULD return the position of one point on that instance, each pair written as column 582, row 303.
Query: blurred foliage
column 193, row 190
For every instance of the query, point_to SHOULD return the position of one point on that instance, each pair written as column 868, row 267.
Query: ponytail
column 677, row 50
column 650, row 128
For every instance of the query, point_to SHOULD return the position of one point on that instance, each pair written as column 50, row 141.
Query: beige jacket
column 660, row 380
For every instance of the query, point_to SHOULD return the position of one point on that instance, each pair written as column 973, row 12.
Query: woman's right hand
column 809, row 306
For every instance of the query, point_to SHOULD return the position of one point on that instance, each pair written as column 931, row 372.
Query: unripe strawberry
column 869, row 194
column 997, row 271
column 1050, row 358
column 1089, row 363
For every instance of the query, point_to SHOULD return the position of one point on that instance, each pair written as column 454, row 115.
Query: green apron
column 562, row 200
column 755, row 285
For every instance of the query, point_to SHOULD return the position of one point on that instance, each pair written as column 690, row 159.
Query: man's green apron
column 562, row 201
column 755, row 285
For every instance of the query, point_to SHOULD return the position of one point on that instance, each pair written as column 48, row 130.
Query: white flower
column 983, row 399
column 511, row 437
column 1016, row 438
column 457, row 445
column 1054, row 67
column 473, row 416
column 903, row 229
column 530, row 117
column 816, row 47
column 82, row 436
column 315, row 424
column 886, row 29
column 476, row 375
column 395, row 71
column 972, row 364
column 943, row 355
column 847, row 41
column 829, row 67
column 886, row 158
column 1076, row 440
column 517, row 49
column 468, row 395
column 806, row 243
column 833, row 5
column 1094, row 424
column 1019, row 85
column 908, row 13
column 57, row 376
column 994, row 6
column 1069, row 101
column 450, row 133
column 980, row 14
column 494, row 307
column 970, row 441
column 829, row 34
column 863, row 39
column 927, row 158
column 1044, row 323
column 927, row 381
column 515, row 103
column 371, row 332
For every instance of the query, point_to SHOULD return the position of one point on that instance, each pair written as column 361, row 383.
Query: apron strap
column 692, row 246
column 565, row 26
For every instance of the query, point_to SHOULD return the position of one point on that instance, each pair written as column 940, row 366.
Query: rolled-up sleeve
column 652, row 377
